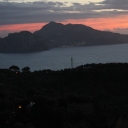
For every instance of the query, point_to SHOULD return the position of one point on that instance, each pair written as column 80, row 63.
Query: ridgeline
column 54, row 35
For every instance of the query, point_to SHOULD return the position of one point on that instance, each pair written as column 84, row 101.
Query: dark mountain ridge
column 78, row 34
column 23, row 41
column 58, row 35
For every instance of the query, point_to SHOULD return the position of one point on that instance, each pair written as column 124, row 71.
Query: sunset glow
column 108, row 23
column 26, row 15
column 22, row 27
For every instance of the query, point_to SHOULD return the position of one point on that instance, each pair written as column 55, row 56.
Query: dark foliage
column 88, row 96
column 14, row 68
column 26, row 69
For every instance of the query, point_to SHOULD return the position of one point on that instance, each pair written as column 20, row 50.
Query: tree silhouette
column 26, row 69
column 14, row 68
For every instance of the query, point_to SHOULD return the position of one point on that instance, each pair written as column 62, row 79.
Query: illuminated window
column 19, row 106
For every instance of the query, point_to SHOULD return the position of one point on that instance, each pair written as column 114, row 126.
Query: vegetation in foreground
column 89, row 96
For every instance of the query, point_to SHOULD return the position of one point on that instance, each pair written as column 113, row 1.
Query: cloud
column 107, row 14
column 115, row 4
column 37, row 12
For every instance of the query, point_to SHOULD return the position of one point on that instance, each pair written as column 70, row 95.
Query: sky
column 31, row 15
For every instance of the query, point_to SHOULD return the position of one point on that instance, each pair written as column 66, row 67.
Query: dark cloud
column 15, row 13
column 115, row 4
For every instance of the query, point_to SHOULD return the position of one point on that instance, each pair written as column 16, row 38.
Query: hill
column 78, row 34
column 58, row 35
column 22, row 42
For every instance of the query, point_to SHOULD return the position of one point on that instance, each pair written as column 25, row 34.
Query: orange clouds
column 108, row 23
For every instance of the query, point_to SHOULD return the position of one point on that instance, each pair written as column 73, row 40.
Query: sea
column 60, row 58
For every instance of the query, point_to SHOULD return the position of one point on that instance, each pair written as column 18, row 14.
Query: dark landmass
column 78, row 35
column 23, row 42
column 88, row 96
column 54, row 35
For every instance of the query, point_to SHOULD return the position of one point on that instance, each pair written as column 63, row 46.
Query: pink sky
column 108, row 23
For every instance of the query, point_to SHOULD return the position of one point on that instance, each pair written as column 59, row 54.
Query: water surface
column 60, row 58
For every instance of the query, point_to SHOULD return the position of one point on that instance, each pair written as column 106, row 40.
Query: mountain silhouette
column 78, row 34
column 58, row 35
column 23, row 42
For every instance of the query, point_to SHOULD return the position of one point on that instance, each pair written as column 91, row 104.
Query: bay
column 60, row 58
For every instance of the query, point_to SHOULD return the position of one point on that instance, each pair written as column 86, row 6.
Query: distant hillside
column 58, row 35
column 78, row 34
column 23, row 42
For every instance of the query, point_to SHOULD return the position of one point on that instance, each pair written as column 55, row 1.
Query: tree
column 26, row 69
column 14, row 68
